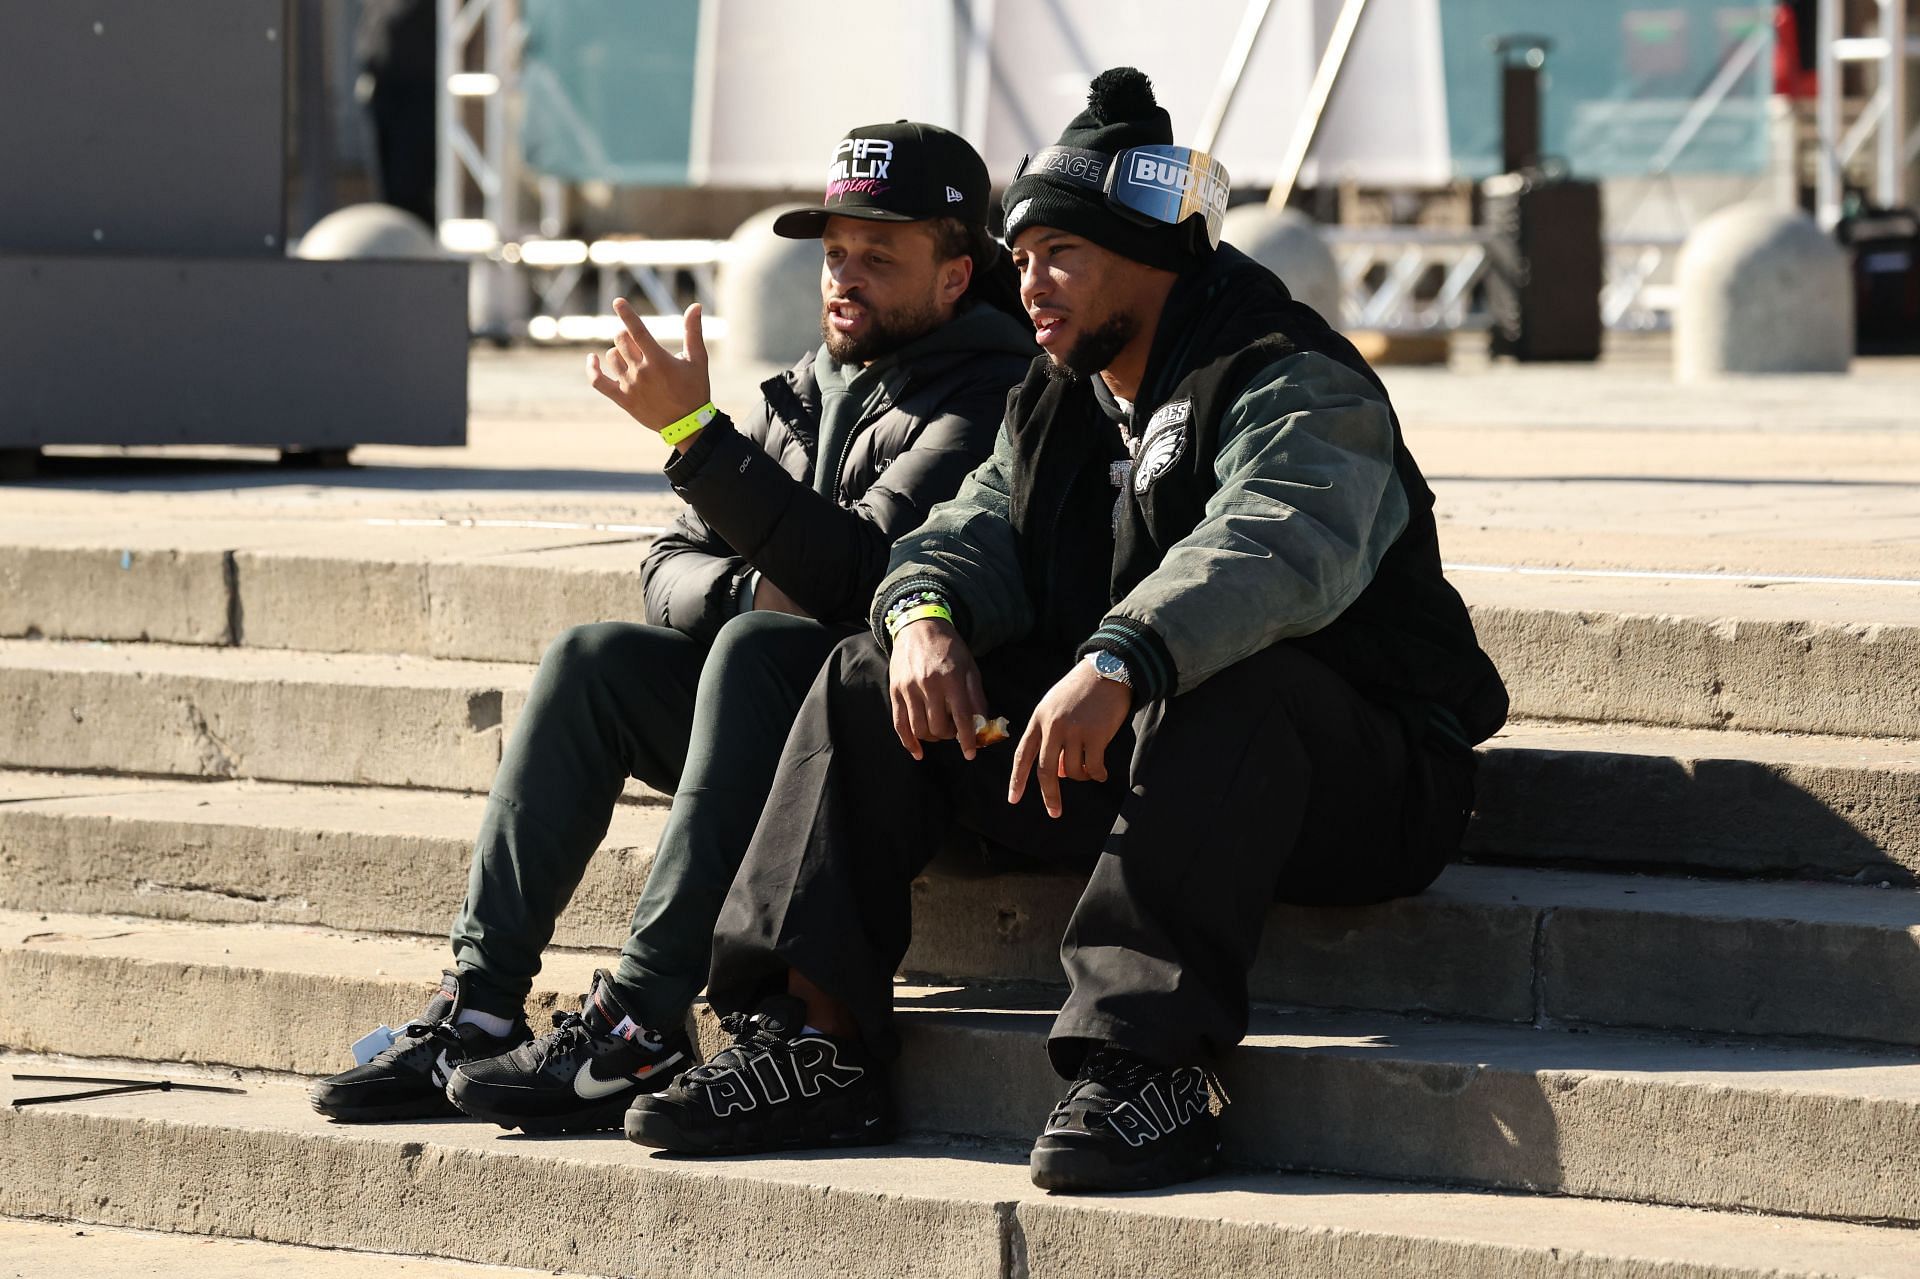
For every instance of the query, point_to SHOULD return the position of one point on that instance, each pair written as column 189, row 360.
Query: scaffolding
column 524, row 273
column 1889, row 49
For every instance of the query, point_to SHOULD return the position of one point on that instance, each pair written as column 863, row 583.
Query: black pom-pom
column 1122, row 93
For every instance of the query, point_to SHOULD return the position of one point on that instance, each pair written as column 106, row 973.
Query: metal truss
column 1419, row 280
column 524, row 279
column 477, row 176
column 1890, row 50
column 624, row 268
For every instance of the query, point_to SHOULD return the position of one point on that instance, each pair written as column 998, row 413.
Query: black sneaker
column 408, row 1080
column 579, row 1076
column 775, row 1088
column 1128, row 1124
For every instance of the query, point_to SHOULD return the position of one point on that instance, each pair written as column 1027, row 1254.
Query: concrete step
column 1728, row 801
column 497, row 593
column 1722, row 801
column 489, row 593
column 1520, row 945
column 1486, row 942
column 62, row 1250
column 1701, row 651
column 371, row 859
column 1719, row 653
column 1753, row 1125
column 264, row 1166
column 205, row 712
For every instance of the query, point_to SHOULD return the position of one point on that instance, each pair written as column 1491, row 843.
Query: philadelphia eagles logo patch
column 1162, row 444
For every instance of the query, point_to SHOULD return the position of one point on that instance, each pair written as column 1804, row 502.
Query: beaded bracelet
column 897, row 611
column 913, row 599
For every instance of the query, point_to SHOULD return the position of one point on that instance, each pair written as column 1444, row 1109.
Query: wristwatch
column 1109, row 666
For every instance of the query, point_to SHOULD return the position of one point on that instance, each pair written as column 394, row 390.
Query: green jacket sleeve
column 966, row 551
column 1307, row 505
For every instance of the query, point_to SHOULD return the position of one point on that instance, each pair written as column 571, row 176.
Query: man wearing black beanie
column 1200, row 574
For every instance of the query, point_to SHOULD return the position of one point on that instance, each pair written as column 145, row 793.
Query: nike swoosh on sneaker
column 590, row 1087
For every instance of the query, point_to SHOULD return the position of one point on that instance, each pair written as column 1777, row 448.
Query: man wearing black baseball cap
column 1200, row 575
column 791, row 509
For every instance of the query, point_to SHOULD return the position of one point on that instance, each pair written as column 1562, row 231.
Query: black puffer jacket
column 748, row 484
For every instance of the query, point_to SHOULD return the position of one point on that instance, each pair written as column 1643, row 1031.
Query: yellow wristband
column 919, row 613
column 674, row 432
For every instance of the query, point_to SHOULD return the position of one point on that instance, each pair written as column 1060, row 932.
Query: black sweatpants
column 1272, row 780
column 610, row 701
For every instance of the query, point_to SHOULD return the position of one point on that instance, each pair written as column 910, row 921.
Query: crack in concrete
column 154, row 887
column 1539, row 960
column 1013, row 1241
column 216, row 757
column 236, row 608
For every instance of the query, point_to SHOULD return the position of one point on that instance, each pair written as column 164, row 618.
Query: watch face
column 1110, row 666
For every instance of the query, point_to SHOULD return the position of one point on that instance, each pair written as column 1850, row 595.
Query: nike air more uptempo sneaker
column 776, row 1087
column 1128, row 1124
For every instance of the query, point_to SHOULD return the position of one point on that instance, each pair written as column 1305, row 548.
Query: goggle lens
column 1171, row 184
column 1163, row 184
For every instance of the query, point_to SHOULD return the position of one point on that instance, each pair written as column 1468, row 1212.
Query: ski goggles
column 1146, row 185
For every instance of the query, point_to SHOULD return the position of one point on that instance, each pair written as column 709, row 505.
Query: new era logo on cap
column 898, row 172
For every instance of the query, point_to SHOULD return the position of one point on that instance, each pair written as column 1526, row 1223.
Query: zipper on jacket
column 846, row 451
column 889, row 403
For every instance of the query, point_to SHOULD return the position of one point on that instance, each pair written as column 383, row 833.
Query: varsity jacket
column 1269, row 499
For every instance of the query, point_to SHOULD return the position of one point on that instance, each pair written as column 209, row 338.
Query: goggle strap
column 1074, row 164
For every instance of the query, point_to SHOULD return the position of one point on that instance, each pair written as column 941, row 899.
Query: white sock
column 492, row 1023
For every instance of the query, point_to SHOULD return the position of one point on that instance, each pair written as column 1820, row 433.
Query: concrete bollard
column 1287, row 244
column 1761, row 291
column 769, row 293
column 369, row 231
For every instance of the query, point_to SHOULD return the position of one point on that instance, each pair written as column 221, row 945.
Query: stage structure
column 539, row 96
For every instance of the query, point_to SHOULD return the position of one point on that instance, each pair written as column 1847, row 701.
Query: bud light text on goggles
column 1145, row 185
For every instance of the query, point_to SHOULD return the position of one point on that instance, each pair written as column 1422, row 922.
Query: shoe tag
column 372, row 1044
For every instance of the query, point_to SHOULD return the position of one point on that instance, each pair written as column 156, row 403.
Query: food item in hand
column 987, row 732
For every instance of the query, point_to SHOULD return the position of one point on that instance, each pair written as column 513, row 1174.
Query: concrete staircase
column 1662, row 1024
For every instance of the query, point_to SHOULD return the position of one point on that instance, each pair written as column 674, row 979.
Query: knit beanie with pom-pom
column 1121, row 113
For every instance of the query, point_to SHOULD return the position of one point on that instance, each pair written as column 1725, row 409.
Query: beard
column 887, row 332
column 1093, row 350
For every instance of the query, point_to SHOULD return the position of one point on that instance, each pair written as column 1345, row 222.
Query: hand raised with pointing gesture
column 656, row 387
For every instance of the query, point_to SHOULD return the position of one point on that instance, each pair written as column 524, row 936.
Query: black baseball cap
column 899, row 172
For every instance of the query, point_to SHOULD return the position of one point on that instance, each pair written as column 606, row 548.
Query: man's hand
column 654, row 386
column 934, row 687
column 768, row 598
column 1068, row 734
